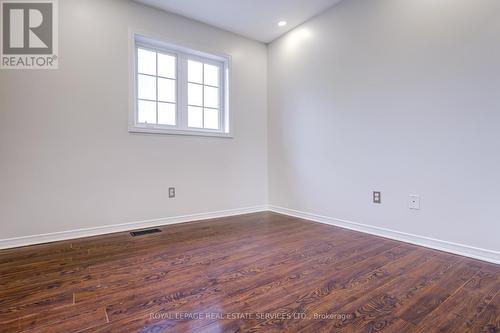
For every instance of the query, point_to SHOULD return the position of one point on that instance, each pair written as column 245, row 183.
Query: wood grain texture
column 260, row 272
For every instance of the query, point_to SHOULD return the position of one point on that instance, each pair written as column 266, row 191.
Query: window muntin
column 181, row 90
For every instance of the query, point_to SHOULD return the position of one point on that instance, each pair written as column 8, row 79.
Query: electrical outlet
column 377, row 197
column 171, row 192
column 414, row 202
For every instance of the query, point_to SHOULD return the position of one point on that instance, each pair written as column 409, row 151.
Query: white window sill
column 173, row 131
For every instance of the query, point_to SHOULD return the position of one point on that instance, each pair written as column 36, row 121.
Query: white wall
column 389, row 95
column 66, row 158
column 397, row 96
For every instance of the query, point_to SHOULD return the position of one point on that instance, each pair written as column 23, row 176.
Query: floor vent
column 144, row 232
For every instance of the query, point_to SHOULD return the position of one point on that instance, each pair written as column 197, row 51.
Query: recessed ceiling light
column 281, row 23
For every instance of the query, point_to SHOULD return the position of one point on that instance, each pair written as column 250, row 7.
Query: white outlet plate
column 414, row 202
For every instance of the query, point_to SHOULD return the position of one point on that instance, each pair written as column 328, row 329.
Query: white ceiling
column 256, row 19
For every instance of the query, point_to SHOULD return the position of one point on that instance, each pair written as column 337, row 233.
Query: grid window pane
column 211, row 97
column 166, row 66
column 195, row 117
column 166, row 100
column 146, row 112
column 166, row 90
column 211, row 119
column 211, row 75
column 166, row 114
column 146, row 61
column 195, row 71
column 146, row 87
column 195, row 94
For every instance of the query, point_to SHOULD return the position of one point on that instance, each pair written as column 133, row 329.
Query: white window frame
column 182, row 55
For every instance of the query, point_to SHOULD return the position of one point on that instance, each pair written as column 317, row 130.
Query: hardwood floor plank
column 460, row 310
column 488, row 318
column 336, row 291
column 418, row 303
column 434, row 294
column 63, row 321
column 239, row 274
column 34, row 304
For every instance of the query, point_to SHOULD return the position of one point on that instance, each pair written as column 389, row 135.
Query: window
column 178, row 90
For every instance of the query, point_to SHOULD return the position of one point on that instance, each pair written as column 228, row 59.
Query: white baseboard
column 87, row 232
column 460, row 249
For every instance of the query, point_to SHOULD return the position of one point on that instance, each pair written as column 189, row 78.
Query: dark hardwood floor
column 260, row 272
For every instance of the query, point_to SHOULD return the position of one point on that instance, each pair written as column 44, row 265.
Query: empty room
column 249, row 166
